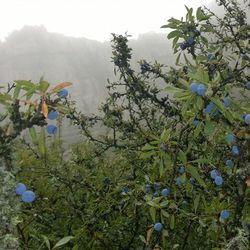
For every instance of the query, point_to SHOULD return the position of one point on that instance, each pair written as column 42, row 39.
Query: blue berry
column 230, row 138
column 158, row 227
column 224, row 214
column 201, row 89
column 195, row 122
column 181, row 169
column 229, row 163
column 218, row 180
column 183, row 45
column 148, row 189
column 208, row 109
column 157, row 186
column 52, row 115
column 235, row 150
column 226, row 101
column 20, row 188
column 155, row 194
column 63, row 93
column 28, row 196
column 165, row 192
column 106, row 180
column 193, row 87
column 178, row 181
column 51, row 129
column 248, row 85
column 213, row 174
column 190, row 40
column 125, row 190
column 210, row 57
column 191, row 180
column 247, row 119
column 244, row 56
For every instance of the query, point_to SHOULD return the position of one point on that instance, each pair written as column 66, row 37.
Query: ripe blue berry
column 213, row 174
column 148, row 189
column 106, row 180
column 165, row 192
column 230, row 138
column 178, row 181
column 51, row 129
column 193, row 87
column 20, row 188
column 155, row 194
column 191, row 180
column 208, row 109
column 210, row 57
column 157, row 186
column 226, row 101
column 158, row 227
column 28, row 196
column 183, row 45
column 63, row 93
column 181, row 169
column 218, row 180
column 52, row 115
column 190, row 40
column 247, row 119
column 248, row 85
column 195, row 122
column 235, row 150
column 125, row 190
column 229, row 163
column 224, row 214
column 244, row 56
column 201, row 90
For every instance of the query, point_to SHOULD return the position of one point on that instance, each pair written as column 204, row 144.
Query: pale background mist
column 93, row 19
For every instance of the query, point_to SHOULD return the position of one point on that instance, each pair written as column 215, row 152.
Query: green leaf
column 200, row 16
column 198, row 129
column 42, row 142
column 46, row 240
column 225, row 112
column 195, row 174
column 43, row 87
column 17, row 91
column 164, row 213
column 174, row 34
column 142, row 238
column 196, row 202
column 63, row 241
column 172, row 221
column 152, row 212
column 5, row 98
column 33, row 134
column 182, row 157
column 148, row 147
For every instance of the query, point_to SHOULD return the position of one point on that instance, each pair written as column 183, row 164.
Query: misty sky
column 94, row 19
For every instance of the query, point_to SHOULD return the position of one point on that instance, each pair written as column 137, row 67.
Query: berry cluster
column 27, row 196
column 52, row 115
column 199, row 89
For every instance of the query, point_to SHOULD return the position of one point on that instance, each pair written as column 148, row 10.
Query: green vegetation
column 171, row 170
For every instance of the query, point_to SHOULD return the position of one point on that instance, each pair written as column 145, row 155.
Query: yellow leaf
column 45, row 109
column 8, row 131
column 61, row 86
column 149, row 236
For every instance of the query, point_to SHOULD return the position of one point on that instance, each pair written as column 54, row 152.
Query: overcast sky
column 94, row 19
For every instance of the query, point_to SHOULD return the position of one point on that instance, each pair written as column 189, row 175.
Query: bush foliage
column 170, row 169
